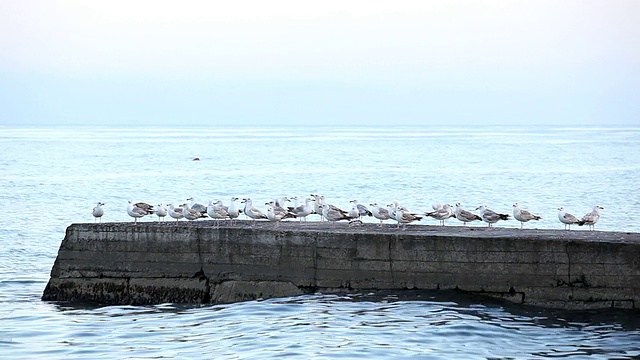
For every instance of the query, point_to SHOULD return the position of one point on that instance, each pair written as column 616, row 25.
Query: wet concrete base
column 210, row 262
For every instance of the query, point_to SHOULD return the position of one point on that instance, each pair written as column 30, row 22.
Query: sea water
column 53, row 176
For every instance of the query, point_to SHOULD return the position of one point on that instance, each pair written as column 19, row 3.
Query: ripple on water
column 348, row 326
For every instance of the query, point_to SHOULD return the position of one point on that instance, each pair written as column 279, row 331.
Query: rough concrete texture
column 153, row 262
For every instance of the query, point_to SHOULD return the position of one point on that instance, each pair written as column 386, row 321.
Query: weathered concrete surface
column 151, row 262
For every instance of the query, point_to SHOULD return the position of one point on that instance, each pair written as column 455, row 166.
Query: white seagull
column 276, row 216
column 191, row 214
column 175, row 212
column 98, row 211
column 489, row 216
column 591, row 218
column 323, row 201
column 403, row 216
column 317, row 206
column 276, row 206
column 523, row 215
column 217, row 210
column 280, row 202
column 193, row 205
column 233, row 209
column 251, row 211
column 392, row 209
column 302, row 211
column 566, row 218
column 161, row 211
column 138, row 210
column 333, row 214
column 379, row 213
column 441, row 213
column 464, row 215
column 358, row 210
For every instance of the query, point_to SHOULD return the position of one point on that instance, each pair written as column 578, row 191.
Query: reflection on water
column 424, row 324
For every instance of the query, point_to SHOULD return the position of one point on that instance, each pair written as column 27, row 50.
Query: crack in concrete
column 566, row 249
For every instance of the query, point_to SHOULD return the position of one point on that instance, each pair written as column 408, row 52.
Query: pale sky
column 190, row 63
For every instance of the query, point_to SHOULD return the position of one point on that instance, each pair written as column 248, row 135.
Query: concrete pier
column 162, row 262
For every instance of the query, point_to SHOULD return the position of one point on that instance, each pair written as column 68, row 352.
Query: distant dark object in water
column 196, row 159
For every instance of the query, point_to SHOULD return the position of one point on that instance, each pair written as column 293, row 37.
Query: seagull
column 392, row 209
column 251, row 211
column 161, row 211
column 193, row 205
column 98, row 211
column 296, row 202
column 317, row 206
column 379, row 213
column 175, row 212
column 219, row 204
column 567, row 219
column 464, row 215
column 358, row 210
column 523, row 215
column 403, row 216
column 332, row 214
column 233, row 210
column 591, row 218
column 191, row 214
column 217, row 210
column 276, row 206
column 276, row 216
column 280, row 202
column 323, row 201
column 138, row 210
column 302, row 211
column 441, row 213
column 489, row 216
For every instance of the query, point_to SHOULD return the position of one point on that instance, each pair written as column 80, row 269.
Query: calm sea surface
column 52, row 177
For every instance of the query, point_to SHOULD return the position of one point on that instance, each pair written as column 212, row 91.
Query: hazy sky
column 189, row 63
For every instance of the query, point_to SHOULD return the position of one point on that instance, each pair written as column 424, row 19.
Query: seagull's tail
column 504, row 216
column 581, row 222
column 536, row 217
